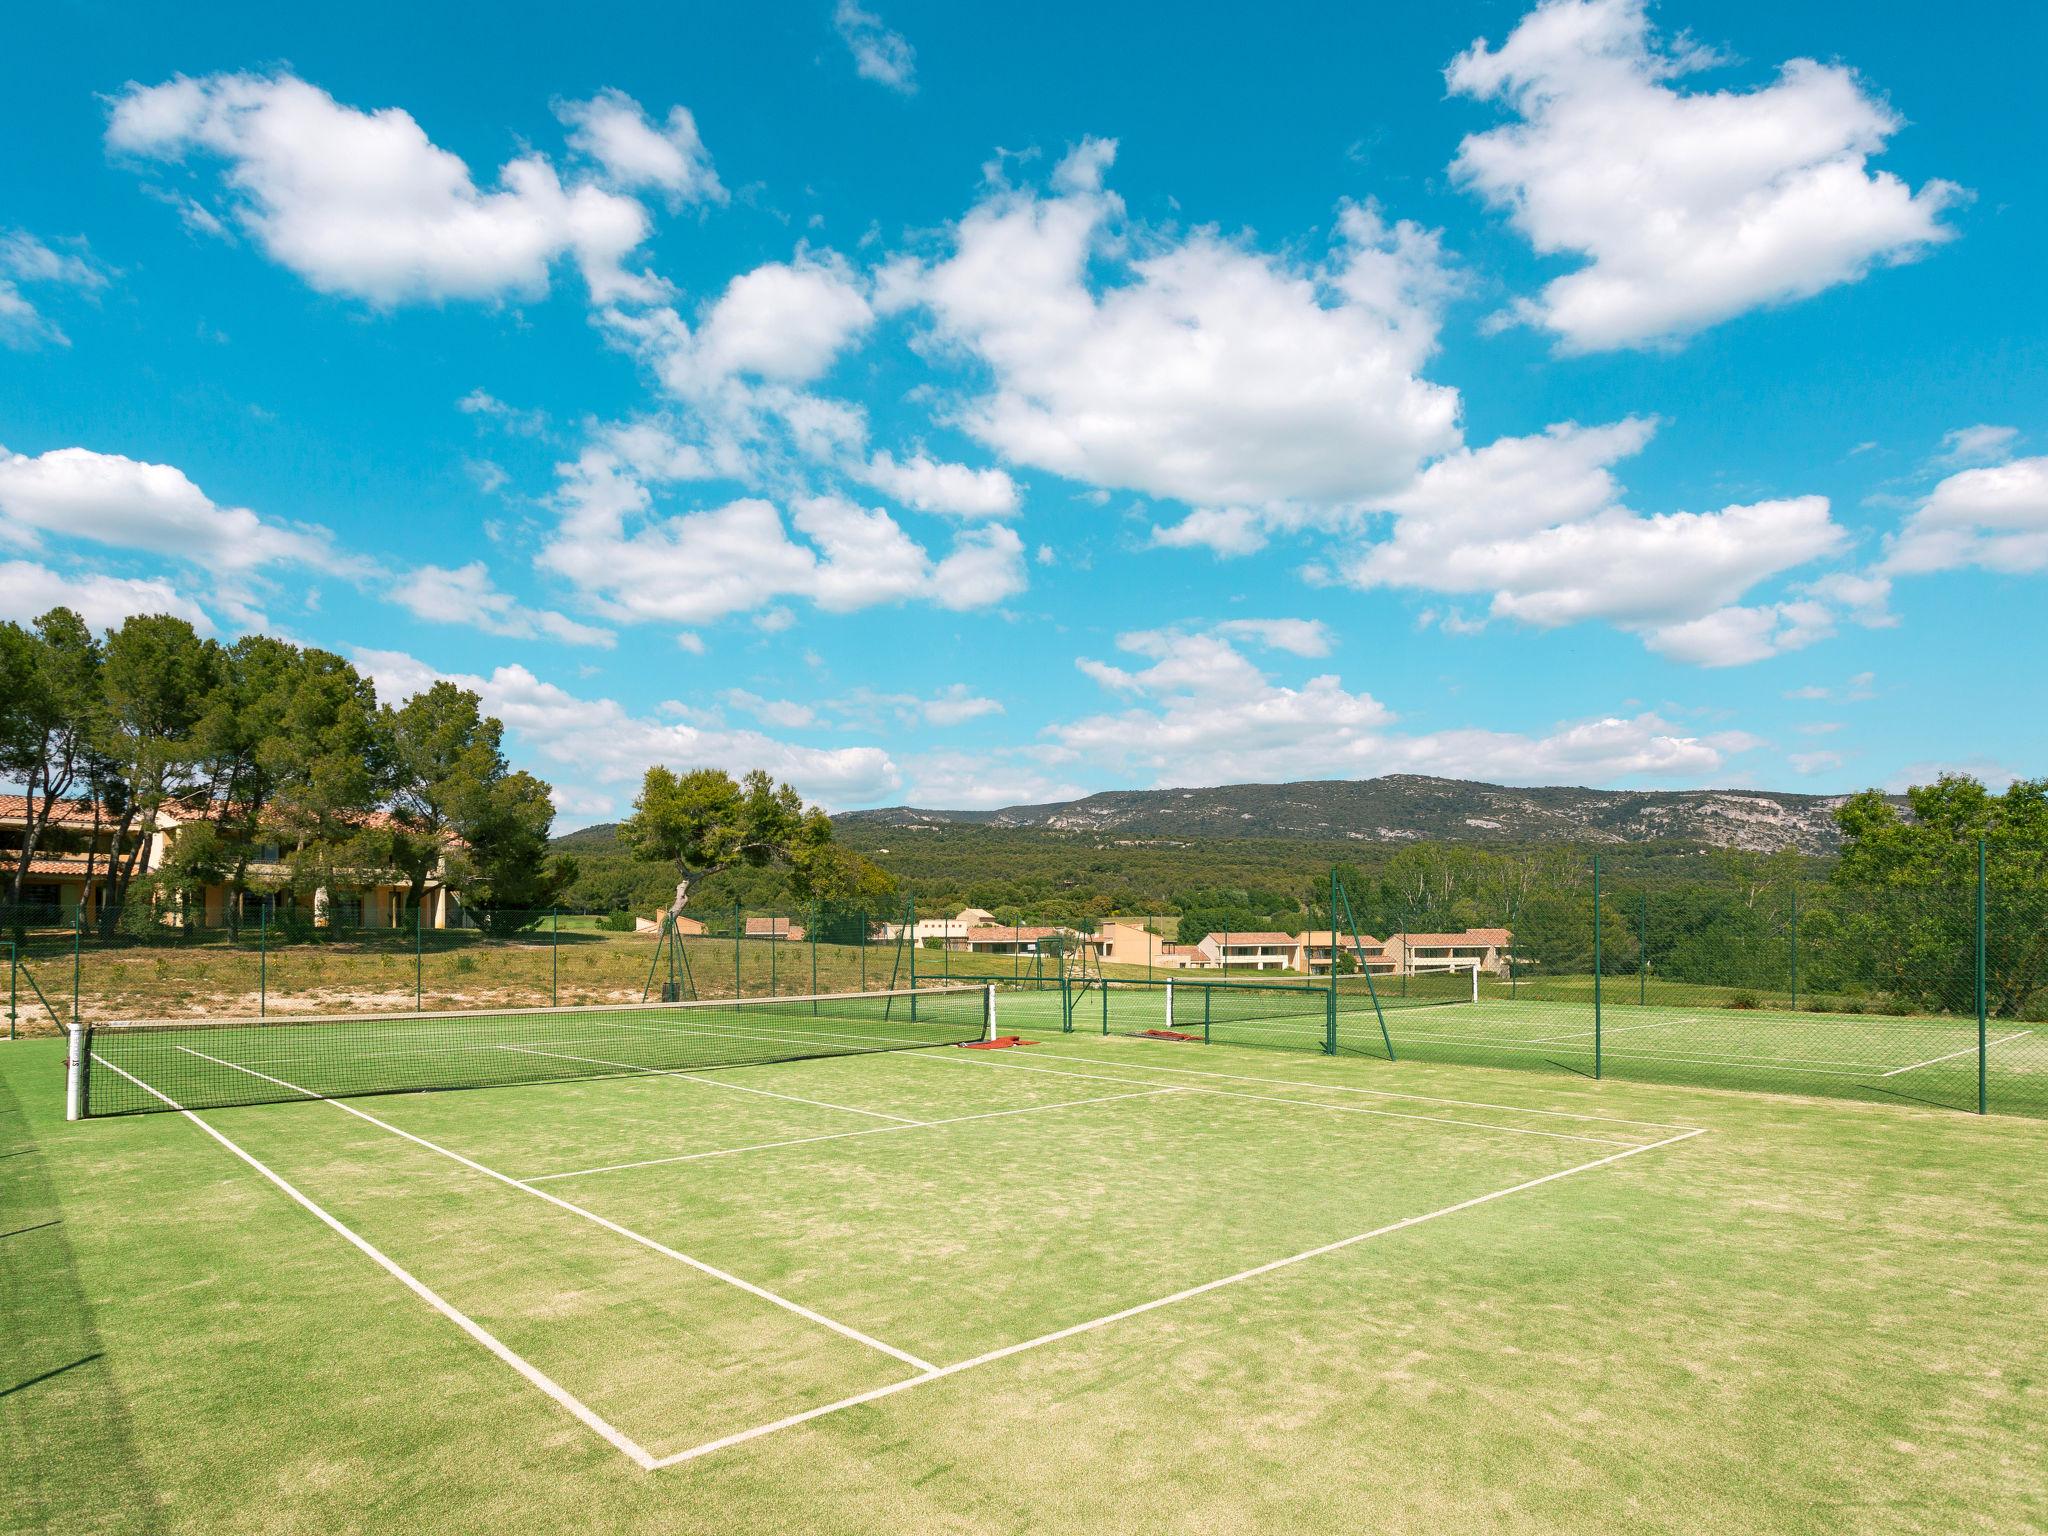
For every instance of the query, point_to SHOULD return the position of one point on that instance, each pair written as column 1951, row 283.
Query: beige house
column 940, row 929
column 71, row 871
column 1485, row 949
column 1248, row 951
column 1121, row 941
column 773, row 928
column 1002, row 939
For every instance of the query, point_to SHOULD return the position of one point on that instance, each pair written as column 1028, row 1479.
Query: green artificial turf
column 1814, row 1316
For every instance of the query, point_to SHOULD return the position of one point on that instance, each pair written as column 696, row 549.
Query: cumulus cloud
column 1981, row 444
column 29, row 589
column 879, row 54
column 638, row 562
column 1202, row 713
column 599, row 740
column 1995, row 517
column 1689, row 207
column 1298, row 637
column 27, row 262
column 75, row 493
column 1535, row 525
column 612, row 129
column 1198, row 368
column 783, row 320
column 466, row 595
column 365, row 204
column 929, row 485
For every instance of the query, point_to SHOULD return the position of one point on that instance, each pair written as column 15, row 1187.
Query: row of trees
column 255, row 745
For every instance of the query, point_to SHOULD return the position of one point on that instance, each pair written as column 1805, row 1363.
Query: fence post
column 813, row 936
column 774, row 944
column 1596, row 965
column 739, row 989
column 263, row 959
column 1982, row 1001
column 864, row 926
column 555, row 958
column 13, row 966
column 1643, row 954
column 77, row 954
column 1795, row 949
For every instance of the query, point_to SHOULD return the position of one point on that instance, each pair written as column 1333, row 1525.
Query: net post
column 1596, row 965
column 1169, row 1006
column 1983, row 1104
column 77, row 1103
column 1475, row 981
column 989, row 994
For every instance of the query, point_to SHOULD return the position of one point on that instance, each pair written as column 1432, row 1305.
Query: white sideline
column 419, row 1288
column 709, row 1082
column 873, row 1130
column 938, row 1373
column 609, row 1225
column 1350, row 1109
column 1968, row 1050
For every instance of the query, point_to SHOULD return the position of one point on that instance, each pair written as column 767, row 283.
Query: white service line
column 1354, row 1109
column 1377, row 1093
column 533, row 1374
column 873, row 1130
column 698, row 1076
column 609, row 1225
column 938, row 1373
column 1970, row 1050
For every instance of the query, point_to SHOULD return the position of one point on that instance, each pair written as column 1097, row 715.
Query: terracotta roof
column 988, row 935
column 1234, row 939
column 1493, row 937
column 68, row 813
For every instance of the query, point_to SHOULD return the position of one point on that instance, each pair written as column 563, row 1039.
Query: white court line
column 873, row 1130
column 940, row 1372
column 1970, row 1050
column 1378, row 1093
column 710, row 1082
column 419, row 1288
column 1349, row 1109
column 1605, row 1029
column 609, row 1225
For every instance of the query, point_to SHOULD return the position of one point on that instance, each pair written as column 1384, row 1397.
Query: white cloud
column 783, row 320
column 127, row 503
column 599, row 740
column 1536, row 525
column 1198, row 369
column 638, row 563
column 483, row 404
column 1223, row 531
column 1807, row 763
column 364, row 204
column 984, row 781
column 956, row 704
column 786, row 713
column 1689, row 207
column 1203, row 714
column 1981, row 444
column 879, row 54
column 1299, row 637
column 466, row 595
column 1995, row 517
column 932, row 486
column 612, row 129
column 28, row 590
column 25, row 261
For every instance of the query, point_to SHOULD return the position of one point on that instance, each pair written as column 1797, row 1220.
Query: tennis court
column 695, row 1226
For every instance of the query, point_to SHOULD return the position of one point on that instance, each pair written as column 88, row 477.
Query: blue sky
column 966, row 406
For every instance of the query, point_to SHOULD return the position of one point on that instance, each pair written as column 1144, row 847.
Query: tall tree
column 444, row 757
column 50, row 715
column 158, row 675
column 502, row 861
column 704, row 823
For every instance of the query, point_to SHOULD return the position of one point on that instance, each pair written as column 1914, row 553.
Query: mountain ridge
column 1398, row 808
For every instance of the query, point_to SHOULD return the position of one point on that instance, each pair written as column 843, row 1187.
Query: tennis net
column 120, row 1069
